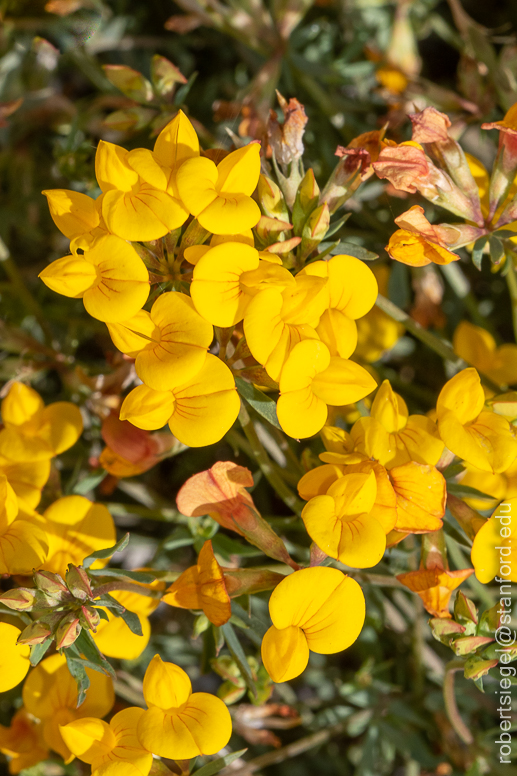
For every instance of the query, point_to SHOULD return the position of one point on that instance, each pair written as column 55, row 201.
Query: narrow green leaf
column 89, row 483
column 465, row 491
column 477, row 252
column 453, row 470
column 256, row 625
column 85, row 644
column 107, row 553
column 135, row 576
column 132, row 621
column 352, row 249
column 264, row 405
column 181, row 94
column 78, row 670
column 102, row 614
column 38, row 651
column 496, row 249
column 237, row 652
column 217, row 765
column 333, row 228
column 109, row 602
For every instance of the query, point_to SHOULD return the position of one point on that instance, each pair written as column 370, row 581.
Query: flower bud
column 132, row 83
column 68, row 630
column 467, row 644
column 89, row 617
column 271, row 199
column 315, row 229
column 35, row 633
column 49, row 582
column 308, row 190
column 20, row 599
column 78, row 582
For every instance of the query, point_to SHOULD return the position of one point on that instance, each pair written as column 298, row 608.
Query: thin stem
column 512, row 288
column 451, row 707
column 129, row 587
column 266, row 465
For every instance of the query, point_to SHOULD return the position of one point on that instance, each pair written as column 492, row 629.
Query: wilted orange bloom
column 131, row 450
column 202, row 587
column 221, row 493
column 362, row 151
column 418, row 242
column 435, row 587
column 508, row 125
column 286, row 140
column 430, row 126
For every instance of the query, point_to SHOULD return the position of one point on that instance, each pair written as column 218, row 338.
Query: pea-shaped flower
column 493, row 551
column 77, row 216
column 477, row 346
column 112, row 748
column 341, row 523
column 480, row 437
column 180, row 724
column 170, row 343
column 220, row 196
column 199, row 412
column 310, row 380
column 14, row 657
column 111, row 279
column 23, row 545
column 316, row 609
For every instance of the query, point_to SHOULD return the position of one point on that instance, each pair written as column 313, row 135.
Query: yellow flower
column 23, row 545
column 202, row 587
column 170, row 343
column 318, row 609
column 494, row 551
column 227, row 276
column 435, row 587
column 27, row 478
column 23, row 742
column 193, row 253
column 276, row 320
column 481, row 438
column 496, row 487
column 136, row 204
column 377, row 332
column 111, row 279
column 417, row 251
column 77, row 216
column 34, row 432
column 178, row 724
column 352, row 291
column 477, row 346
column 199, row 412
column 393, row 438
column 311, row 379
column 109, row 749
column 176, row 143
column 220, row 196
column 341, row 523
column 14, row 658
column 76, row 527
column 50, row 694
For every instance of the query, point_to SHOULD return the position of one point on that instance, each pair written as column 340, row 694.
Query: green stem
column 512, row 288
column 451, row 707
column 266, row 465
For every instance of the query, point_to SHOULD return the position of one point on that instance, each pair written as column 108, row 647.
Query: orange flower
column 131, row 450
column 435, row 587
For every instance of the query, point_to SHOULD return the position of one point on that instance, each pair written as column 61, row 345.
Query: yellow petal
column 185, row 592
column 126, row 335
column 263, row 325
column 487, row 444
column 111, row 168
column 421, row 495
column 196, row 179
column 206, row 407
column 147, row 409
column 216, row 289
column 14, row 658
column 306, row 360
column 214, row 597
column 73, row 213
column 21, row 404
column 352, row 285
column 316, row 482
column 475, row 345
column 421, row 440
column 208, row 721
column 238, row 173
column 285, row 653
column 88, row 738
column 229, row 213
column 60, row 427
column 389, row 408
column 69, row 276
column 144, row 214
column 354, row 493
column 384, row 510
column 463, row 396
column 23, row 547
column 8, row 503
column 131, row 758
column 144, row 163
column 26, row 478
column 493, row 552
column 195, row 252
column 338, row 332
column 343, row 382
column 300, row 413
column 114, row 639
column 166, row 686
column 176, row 143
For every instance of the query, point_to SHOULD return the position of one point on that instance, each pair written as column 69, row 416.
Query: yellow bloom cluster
column 301, row 328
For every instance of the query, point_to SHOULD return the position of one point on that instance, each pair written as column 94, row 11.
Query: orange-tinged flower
column 482, row 438
column 220, row 196
column 34, row 432
column 110, row 278
column 131, row 450
column 416, row 251
column 202, row 587
column 393, row 437
column 76, row 527
column 421, row 494
column 493, row 551
column 221, row 493
column 180, row 724
column 170, row 343
column 14, row 657
column 109, row 749
column 477, row 347
column 352, row 290
column 199, row 412
column 50, row 694
column 23, row 545
column 508, row 124
column 22, row 742
column 311, row 378
column 435, row 587
column 341, row 523
column 317, row 609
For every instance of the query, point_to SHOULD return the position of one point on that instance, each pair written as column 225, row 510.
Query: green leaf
column 237, row 652
column 497, row 252
column 333, row 228
column 85, row 645
column 109, row 602
column 77, row 668
column 227, row 547
column 102, row 614
column 135, row 576
column 465, row 491
column 101, row 554
column 180, row 537
column 38, row 651
column 477, row 252
column 453, row 470
column 264, row 405
column 217, row 765
column 352, row 249
column 451, row 531
column 132, row 621
column 89, row 483
column 181, row 94
column 256, row 625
